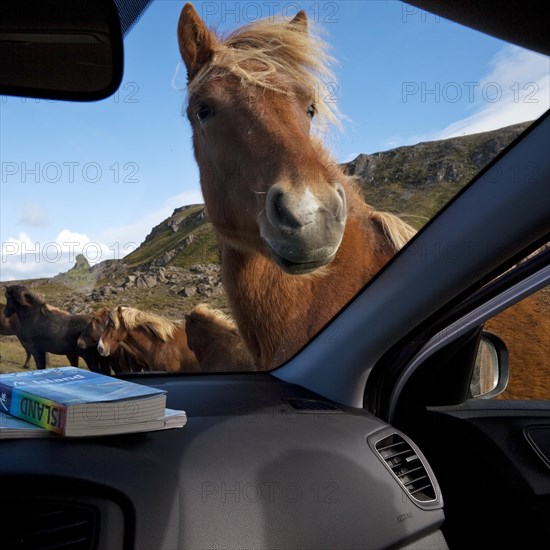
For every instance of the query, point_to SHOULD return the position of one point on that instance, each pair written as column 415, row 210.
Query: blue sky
column 95, row 178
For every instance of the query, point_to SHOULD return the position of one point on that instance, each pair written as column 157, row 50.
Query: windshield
column 103, row 204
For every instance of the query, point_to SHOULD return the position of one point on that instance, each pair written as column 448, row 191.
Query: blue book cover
column 59, row 398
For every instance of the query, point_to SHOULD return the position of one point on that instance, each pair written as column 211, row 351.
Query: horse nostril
column 278, row 211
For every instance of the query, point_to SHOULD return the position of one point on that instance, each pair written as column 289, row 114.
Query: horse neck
column 200, row 344
column 141, row 343
column 31, row 312
column 134, row 353
column 278, row 313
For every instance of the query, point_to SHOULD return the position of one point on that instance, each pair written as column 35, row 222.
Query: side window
column 525, row 331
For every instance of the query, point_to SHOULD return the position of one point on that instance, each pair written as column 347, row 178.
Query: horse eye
column 311, row 110
column 204, row 112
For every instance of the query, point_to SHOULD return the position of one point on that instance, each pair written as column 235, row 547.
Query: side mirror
column 60, row 49
column 490, row 375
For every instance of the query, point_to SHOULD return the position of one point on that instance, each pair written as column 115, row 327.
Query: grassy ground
column 12, row 356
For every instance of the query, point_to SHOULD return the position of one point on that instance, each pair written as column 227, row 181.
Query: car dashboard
column 261, row 463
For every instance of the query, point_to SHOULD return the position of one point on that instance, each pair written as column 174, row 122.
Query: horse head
column 18, row 299
column 268, row 184
column 90, row 336
column 113, row 332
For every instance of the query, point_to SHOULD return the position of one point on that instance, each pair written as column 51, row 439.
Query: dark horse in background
column 10, row 326
column 45, row 329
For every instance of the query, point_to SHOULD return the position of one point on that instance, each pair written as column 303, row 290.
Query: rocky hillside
column 416, row 181
column 184, row 239
column 177, row 265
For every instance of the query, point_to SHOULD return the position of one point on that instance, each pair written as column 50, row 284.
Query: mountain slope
column 185, row 238
column 418, row 180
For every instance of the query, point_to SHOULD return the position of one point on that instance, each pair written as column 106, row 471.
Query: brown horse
column 44, row 328
column 120, row 360
column 154, row 340
column 216, row 342
column 297, row 240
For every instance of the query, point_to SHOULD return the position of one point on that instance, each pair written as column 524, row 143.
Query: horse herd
column 123, row 339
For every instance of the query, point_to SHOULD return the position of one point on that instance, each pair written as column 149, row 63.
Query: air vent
column 312, row 405
column 44, row 524
column 407, row 467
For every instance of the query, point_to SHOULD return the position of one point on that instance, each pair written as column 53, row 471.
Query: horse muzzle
column 303, row 231
column 103, row 349
column 296, row 261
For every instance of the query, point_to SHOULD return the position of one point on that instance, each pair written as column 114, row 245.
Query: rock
column 187, row 291
column 81, row 263
column 146, row 281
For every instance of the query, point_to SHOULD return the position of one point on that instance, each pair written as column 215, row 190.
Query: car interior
column 369, row 437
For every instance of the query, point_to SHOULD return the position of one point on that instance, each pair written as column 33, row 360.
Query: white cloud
column 516, row 89
column 34, row 214
column 25, row 257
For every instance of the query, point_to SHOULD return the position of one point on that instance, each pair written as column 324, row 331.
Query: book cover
column 66, row 399
column 14, row 428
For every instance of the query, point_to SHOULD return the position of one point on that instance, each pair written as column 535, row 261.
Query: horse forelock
column 161, row 327
column 271, row 53
column 111, row 315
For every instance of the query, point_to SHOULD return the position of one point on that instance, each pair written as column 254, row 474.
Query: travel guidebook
column 13, row 428
column 76, row 402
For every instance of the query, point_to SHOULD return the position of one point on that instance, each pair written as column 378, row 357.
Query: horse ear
column 119, row 315
column 300, row 20
column 99, row 313
column 196, row 42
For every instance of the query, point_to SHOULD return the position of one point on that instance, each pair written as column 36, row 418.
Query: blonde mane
column 397, row 231
column 273, row 53
column 134, row 319
column 213, row 316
